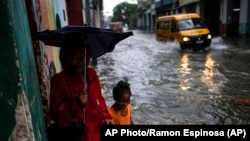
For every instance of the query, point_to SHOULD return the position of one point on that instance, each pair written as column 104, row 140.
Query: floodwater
column 176, row 87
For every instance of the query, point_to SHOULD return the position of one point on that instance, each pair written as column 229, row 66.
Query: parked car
column 116, row 26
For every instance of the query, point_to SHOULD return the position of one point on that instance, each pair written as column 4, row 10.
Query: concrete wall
column 75, row 15
column 20, row 101
column 28, row 66
column 244, row 26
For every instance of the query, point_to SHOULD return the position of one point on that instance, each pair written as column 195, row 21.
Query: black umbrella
column 99, row 40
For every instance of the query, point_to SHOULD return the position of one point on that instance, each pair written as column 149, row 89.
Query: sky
column 108, row 5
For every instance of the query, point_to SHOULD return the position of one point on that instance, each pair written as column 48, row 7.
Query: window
column 163, row 25
column 187, row 24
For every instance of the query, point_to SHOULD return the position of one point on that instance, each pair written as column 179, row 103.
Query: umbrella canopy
column 100, row 41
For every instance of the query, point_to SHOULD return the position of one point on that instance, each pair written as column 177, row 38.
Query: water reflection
column 185, row 71
column 209, row 74
column 197, row 76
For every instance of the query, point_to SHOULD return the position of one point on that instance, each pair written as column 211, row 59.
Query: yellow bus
column 188, row 29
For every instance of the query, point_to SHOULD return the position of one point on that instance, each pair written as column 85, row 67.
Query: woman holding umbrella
column 76, row 101
column 75, row 97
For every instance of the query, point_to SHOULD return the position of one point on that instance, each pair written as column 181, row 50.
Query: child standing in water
column 121, row 110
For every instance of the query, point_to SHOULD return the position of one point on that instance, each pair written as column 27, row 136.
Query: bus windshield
column 187, row 24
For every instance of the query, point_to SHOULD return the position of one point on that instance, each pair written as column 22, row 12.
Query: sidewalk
column 237, row 42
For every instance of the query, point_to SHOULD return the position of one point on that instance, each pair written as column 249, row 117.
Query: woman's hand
column 83, row 97
column 108, row 122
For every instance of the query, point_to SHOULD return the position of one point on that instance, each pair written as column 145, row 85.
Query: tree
column 127, row 13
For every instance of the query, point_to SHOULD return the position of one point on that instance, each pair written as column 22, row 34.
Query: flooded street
column 171, row 86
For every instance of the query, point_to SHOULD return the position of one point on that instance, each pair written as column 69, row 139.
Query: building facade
column 223, row 17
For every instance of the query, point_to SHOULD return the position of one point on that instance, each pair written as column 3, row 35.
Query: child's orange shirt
column 121, row 120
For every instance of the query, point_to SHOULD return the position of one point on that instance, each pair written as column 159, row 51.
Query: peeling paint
column 23, row 130
column 17, row 64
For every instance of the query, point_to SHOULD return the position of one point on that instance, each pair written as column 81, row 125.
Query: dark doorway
column 211, row 17
column 233, row 27
column 58, row 22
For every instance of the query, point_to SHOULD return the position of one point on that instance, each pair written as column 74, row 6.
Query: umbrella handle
column 85, row 67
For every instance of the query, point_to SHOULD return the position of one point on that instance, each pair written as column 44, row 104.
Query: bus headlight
column 209, row 36
column 185, row 39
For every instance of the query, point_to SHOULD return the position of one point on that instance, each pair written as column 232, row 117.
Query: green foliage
column 130, row 12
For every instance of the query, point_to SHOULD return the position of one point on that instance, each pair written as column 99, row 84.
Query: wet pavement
column 171, row 86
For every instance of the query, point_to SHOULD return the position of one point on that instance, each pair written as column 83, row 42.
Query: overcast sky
column 108, row 5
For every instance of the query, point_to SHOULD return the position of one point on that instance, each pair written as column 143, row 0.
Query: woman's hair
column 121, row 88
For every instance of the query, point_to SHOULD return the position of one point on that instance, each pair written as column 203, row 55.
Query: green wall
column 18, row 71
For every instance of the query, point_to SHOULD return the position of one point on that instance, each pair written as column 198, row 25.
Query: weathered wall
column 43, row 15
column 244, row 26
column 74, row 12
column 49, row 10
column 27, row 66
column 18, row 77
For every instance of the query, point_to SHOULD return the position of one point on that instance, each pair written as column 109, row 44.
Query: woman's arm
column 96, row 87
